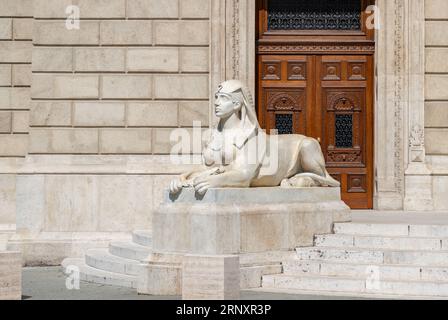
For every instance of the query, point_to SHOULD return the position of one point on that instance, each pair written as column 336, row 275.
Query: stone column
column 390, row 102
column 418, row 180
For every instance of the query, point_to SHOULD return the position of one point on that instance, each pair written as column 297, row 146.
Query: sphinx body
column 240, row 154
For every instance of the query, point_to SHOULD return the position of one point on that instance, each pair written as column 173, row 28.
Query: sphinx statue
column 229, row 160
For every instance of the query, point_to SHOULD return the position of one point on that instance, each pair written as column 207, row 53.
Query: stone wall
column 436, row 112
column 436, row 95
column 15, row 75
column 132, row 70
column 104, row 99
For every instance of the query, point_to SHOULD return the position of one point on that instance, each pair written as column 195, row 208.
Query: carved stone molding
column 313, row 48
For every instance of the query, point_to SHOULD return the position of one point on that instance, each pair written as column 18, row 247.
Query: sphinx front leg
column 228, row 179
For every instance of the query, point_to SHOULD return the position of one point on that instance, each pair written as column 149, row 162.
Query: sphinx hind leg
column 313, row 172
column 311, row 158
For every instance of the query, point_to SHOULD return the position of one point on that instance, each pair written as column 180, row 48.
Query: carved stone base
column 260, row 225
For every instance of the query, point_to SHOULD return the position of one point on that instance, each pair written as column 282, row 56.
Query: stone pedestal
column 10, row 275
column 260, row 225
column 210, row 277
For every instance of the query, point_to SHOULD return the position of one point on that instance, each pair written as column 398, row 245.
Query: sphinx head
column 229, row 98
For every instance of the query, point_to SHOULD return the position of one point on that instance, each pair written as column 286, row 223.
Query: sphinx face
column 224, row 106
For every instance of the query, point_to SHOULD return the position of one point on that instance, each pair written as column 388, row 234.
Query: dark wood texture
column 322, row 81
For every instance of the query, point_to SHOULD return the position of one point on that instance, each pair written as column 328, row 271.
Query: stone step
column 94, row 275
column 142, row 237
column 366, row 271
column 355, row 286
column 380, row 242
column 392, row 229
column 129, row 250
column 374, row 256
column 103, row 260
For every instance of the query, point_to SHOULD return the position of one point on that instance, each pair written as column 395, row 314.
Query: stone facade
column 86, row 115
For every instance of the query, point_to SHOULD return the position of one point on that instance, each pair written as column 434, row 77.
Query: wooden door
column 320, row 83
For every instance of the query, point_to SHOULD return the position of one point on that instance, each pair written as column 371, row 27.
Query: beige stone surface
column 436, row 60
column 153, row 60
column 190, row 111
column 5, row 75
column 129, row 32
column 127, row 87
column 152, row 114
column 195, row 60
column 17, row 8
column 100, row 59
column 52, row 59
column 96, row 114
column 13, row 145
column 7, row 199
column 152, row 9
column 56, row 33
column 436, row 34
column 210, row 277
column 436, row 9
column 435, row 87
column 181, row 86
column 61, row 86
column 50, row 113
column 181, row 32
column 5, row 121
column 100, row 9
column 63, row 141
column 436, row 141
column 15, row 98
column 21, row 74
column 20, row 121
column 161, row 142
column 195, row 9
column 10, row 275
column 245, row 220
column 15, row 51
column 436, row 114
column 125, row 141
column 23, row 29
column 5, row 29
column 50, row 8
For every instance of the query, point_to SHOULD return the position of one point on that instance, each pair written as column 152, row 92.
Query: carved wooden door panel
column 315, row 77
column 344, row 94
column 328, row 97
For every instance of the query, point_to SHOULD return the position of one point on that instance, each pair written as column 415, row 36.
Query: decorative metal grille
column 283, row 123
column 314, row 15
column 344, row 131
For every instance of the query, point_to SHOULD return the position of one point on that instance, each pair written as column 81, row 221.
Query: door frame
column 399, row 56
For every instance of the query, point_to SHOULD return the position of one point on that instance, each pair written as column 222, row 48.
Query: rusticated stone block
column 153, row 60
column 181, row 32
column 50, row 113
column 152, row 114
column 129, row 32
column 95, row 114
column 52, row 59
column 153, row 9
column 100, row 59
column 181, row 86
column 61, row 86
column 125, row 141
column 62, row 141
column 56, row 33
column 127, row 87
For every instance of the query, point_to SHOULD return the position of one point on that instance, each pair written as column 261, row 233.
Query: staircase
column 374, row 256
column 117, row 265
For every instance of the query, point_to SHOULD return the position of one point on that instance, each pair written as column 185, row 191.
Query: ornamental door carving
column 315, row 77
